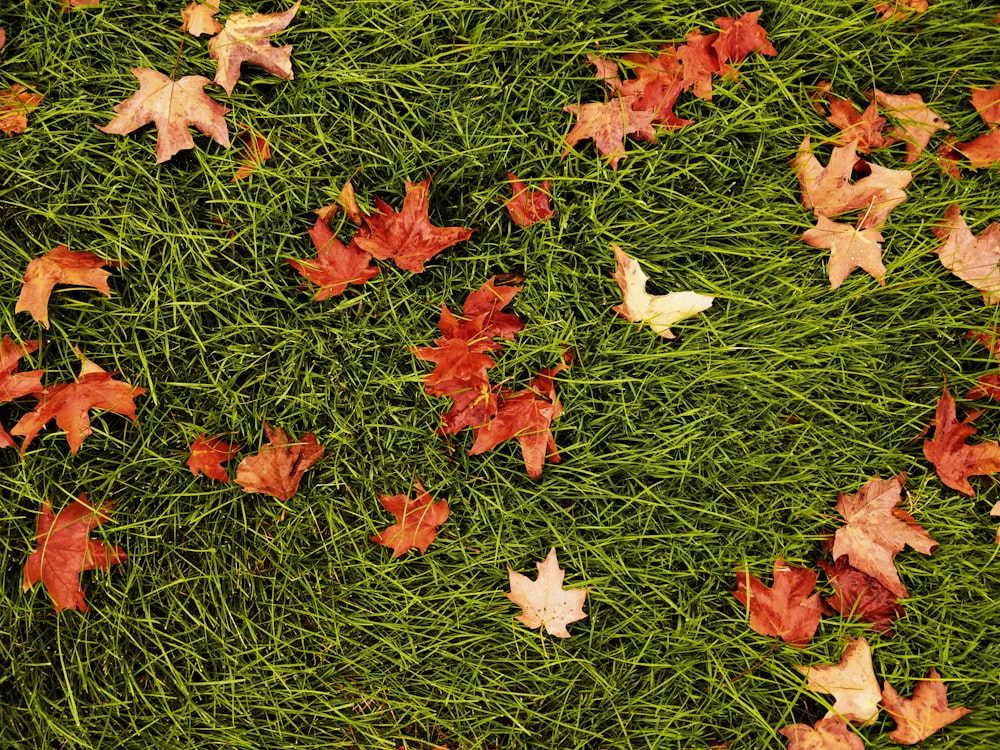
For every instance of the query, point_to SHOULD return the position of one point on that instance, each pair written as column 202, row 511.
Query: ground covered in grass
column 239, row 622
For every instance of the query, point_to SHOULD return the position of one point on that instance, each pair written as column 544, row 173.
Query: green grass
column 241, row 623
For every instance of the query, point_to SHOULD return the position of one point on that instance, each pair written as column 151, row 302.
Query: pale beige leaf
column 852, row 683
column 544, row 601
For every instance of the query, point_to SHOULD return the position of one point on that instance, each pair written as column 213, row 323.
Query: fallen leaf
column 15, row 105
column 949, row 158
column 336, row 265
column 483, row 318
column 605, row 71
column 3, row 37
column 16, row 384
column 252, row 156
column 64, row 550
column 987, row 104
column 827, row 734
column 851, row 682
column 70, row 404
column 247, row 39
column 544, row 602
column 173, row 106
column 408, row 237
column 981, row 152
column 529, row 207
column 349, row 202
column 919, row 717
column 857, row 594
column 417, row 521
column 865, row 128
column 790, row 609
column 199, row 18
column 527, row 415
column 660, row 311
column 607, row 123
column 278, row 468
column 850, row 248
column 899, row 10
column 657, row 85
column 738, row 37
column 877, row 530
column 917, row 122
column 699, row 62
column 954, row 460
column 208, row 454
column 59, row 266
column 70, row 4
column 970, row 257
column 828, row 190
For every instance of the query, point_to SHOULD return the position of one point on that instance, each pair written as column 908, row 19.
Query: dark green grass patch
column 241, row 623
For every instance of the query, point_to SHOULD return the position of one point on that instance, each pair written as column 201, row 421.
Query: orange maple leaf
column 919, row 717
column 278, row 468
column 70, row 403
column 917, row 121
column 850, row 248
column 973, row 258
column 826, row 734
column 65, row 549
column 15, row 105
column 336, row 265
column 60, row 266
column 173, row 106
column 408, row 237
column 208, row 454
column 247, row 39
column 417, row 521
column 790, row 609
column 955, row 460
column 607, row 123
column 199, row 18
column 528, row 207
column 252, row 156
column 16, row 384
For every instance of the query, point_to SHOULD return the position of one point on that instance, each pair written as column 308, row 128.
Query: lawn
column 239, row 621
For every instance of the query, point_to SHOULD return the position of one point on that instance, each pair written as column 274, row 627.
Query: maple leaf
column 857, row 594
column 877, row 530
column 278, row 468
column 15, row 105
column 953, row 459
column 864, row 128
column 827, row 734
column 829, row 192
column 347, row 200
column 68, row 5
column 607, row 123
column 660, row 311
column 919, row 717
column 247, row 39
column 528, row 207
column 336, row 266
column 852, row 683
column 605, row 70
column 987, row 104
column 981, row 152
column 970, row 257
column 173, row 106
column 208, row 454
column 738, row 37
column 461, row 375
column 482, row 316
column 417, row 521
column 408, row 237
column 70, row 404
column 253, row 154
column 544, row 602
column 899, row 10
column 60, row 266
column 699, row 62
column 789, row 610
column 850, row 248
column 917, row 121
column 3, row 37
column 527, row 415
column 16, row 384
column 657, row 85
column 64, row 550
column 199, row 18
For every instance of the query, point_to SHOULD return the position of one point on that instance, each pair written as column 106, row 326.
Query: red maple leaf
column 482, row 316
column 877, row 530
column 336, row 265
column 919, row 717
column 461, row 374
column 738, row 37
column 252, row 156
column 208, row 454
column 607, row 123
column 59, row 266
column 247, row 39
column 955, row 460
column 863, row 127
column 408, row 237
column 64, row 550
column 987, row 104
column 857, row 594
column 789, row 610
column 526, row 415
column 699, row 62
column 657, row 85
column 529, row 207
column 278, row 468
column 417, row 521
column 16, row 384
column 70, row 404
